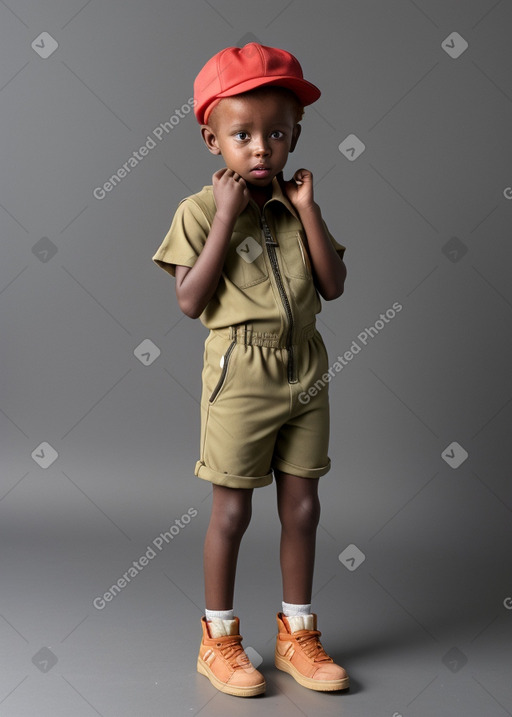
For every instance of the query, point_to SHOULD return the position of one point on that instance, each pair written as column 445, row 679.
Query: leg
column 298, row 648
column 299, row 512
column 231, row 514
column 222, row 658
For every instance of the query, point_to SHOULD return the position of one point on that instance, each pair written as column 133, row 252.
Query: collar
column 279, row 195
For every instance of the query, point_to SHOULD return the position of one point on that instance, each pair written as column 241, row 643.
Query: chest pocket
column 294, row 255
column 245, row 263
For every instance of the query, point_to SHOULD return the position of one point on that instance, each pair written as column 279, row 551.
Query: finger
column 218, row 174
column 303, row 175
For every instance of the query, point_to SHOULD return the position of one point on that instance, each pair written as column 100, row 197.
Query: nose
column 261, row 147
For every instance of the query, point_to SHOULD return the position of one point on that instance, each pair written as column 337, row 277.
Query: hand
column 230, row 192
column 299, row 189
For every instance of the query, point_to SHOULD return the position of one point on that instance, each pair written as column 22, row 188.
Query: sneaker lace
column 309, row 640
column 232, row 650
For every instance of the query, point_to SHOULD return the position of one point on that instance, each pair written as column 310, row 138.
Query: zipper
column 224, row 370
column 271, row 244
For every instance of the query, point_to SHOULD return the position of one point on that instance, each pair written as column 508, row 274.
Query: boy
column 250, row 254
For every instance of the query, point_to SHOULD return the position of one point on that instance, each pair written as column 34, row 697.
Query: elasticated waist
column 246, row 334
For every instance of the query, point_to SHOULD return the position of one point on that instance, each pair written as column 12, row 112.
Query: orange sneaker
column 223, row 661
column 300, row 653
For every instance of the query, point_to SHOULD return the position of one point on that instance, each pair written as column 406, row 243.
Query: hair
column 270, row 89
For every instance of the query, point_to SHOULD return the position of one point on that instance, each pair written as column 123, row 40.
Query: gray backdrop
column 409, row 146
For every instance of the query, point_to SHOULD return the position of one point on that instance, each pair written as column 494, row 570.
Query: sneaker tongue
column 301, row 622
column 220, row 628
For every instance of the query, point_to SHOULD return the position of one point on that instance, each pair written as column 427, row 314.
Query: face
column 254, row 135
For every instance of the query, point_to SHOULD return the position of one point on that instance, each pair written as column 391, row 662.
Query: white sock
column 222, row 614
column 290, row 609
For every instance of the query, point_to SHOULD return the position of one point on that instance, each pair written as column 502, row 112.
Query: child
column 250, row 255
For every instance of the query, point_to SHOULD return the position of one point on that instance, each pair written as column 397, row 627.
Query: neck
column 260, row 194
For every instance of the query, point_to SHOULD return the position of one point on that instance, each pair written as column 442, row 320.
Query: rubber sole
column 318, row 685
column 227, row 688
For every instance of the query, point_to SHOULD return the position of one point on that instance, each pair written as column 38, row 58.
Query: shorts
column 253, row 420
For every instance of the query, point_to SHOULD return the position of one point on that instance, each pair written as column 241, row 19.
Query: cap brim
column 305, row 91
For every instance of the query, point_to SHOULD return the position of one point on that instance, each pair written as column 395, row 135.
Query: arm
column 328, row 267
column 196, row 285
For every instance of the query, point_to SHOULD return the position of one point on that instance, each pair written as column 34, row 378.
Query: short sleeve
column 185, row 239
column 339, row 247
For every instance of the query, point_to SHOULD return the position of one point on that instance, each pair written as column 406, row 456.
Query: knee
column 232, row 519
column 302, row 515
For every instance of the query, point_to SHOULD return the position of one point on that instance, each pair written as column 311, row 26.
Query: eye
column 277, row 131
column 242, row 138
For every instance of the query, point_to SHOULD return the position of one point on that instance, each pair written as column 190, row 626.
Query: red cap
column 240, row 69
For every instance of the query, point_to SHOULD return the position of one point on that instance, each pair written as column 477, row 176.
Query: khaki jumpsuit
column 263, row 351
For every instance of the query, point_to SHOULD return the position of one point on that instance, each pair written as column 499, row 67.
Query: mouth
column 261, row 171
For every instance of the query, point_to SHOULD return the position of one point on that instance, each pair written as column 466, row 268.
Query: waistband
column 246, row 334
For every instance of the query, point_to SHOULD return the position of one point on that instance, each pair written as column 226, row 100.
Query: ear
column 295, row 136
column 210, row 139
